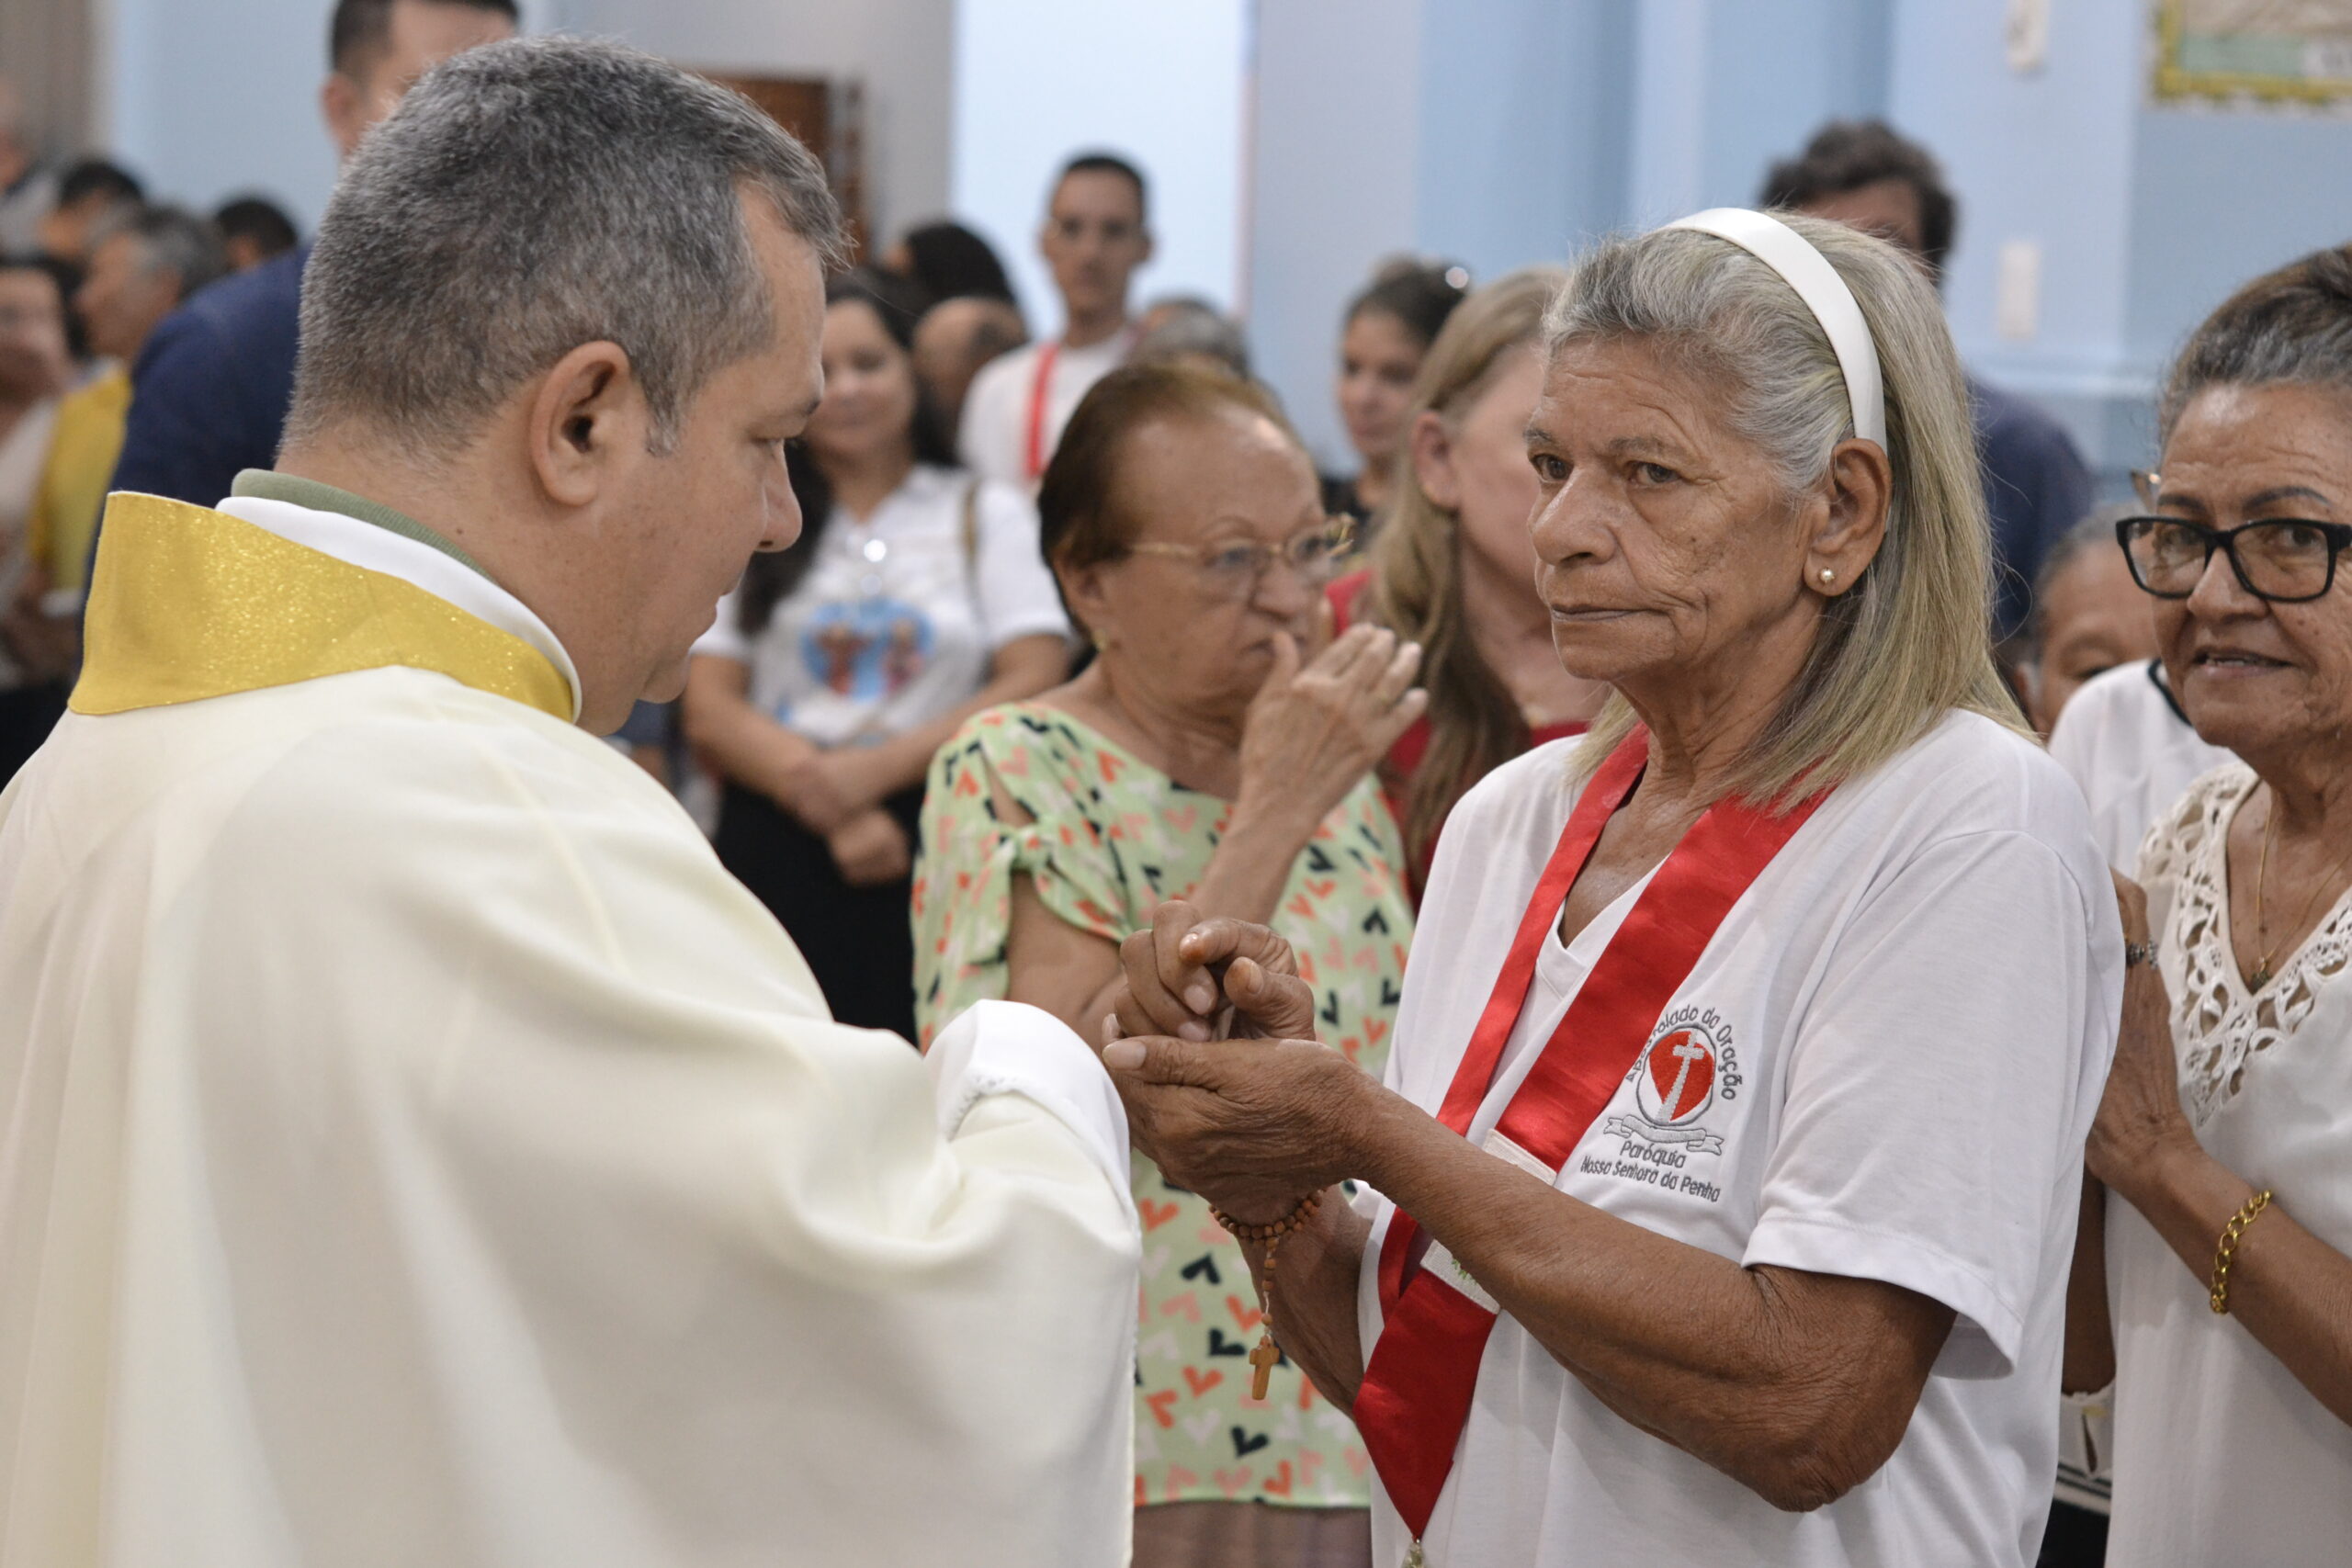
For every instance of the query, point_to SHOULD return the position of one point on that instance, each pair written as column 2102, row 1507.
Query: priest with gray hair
column 413, row 1147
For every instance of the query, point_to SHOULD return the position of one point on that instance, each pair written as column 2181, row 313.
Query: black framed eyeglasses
column 2286, row 560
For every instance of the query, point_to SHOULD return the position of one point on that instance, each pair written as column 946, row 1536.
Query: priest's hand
column 1252, row 1125
column 871, row 849
column 1198, row 979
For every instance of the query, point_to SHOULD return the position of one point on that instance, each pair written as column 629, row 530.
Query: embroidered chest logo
column 1688, row 1067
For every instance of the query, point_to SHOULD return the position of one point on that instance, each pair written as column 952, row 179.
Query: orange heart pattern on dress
column 1109, row 839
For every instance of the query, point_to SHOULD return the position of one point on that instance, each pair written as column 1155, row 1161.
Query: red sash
column 1424, row 1369
column 1033, row 446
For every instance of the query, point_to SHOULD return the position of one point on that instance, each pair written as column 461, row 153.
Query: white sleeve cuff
column 996, row 1047
column 1988, row 1331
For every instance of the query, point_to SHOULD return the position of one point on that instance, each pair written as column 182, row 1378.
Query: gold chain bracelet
column 1266, row 1353
column 2227, row 1249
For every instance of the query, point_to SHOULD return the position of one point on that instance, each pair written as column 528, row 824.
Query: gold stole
column 188, row 604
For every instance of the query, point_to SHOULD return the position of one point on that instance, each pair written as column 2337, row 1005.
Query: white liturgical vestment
column 415, row 1149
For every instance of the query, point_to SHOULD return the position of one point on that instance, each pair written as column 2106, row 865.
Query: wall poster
column 2277, row 50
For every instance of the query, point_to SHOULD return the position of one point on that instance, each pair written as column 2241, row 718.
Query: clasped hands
column 837, row 793
column 1212, row 1047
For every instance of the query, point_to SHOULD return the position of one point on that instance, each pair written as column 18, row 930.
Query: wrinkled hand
column 1201, row 979
column 2140, row 1117
column 871, row 849
column 1312, row 732
column 1253, row 1125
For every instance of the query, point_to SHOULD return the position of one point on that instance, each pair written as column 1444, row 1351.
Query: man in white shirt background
column 1096, row 236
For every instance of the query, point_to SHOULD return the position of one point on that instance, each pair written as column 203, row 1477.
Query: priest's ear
column 586, row 419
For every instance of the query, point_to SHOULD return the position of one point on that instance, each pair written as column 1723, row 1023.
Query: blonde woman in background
column 1749, row 1189
column 1453, row 568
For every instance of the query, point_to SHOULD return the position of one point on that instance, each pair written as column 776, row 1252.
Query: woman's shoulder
column 1968, row 777
column 1528, row 793
column 2181, row 832
column 1037, row 739
column 1980, row 774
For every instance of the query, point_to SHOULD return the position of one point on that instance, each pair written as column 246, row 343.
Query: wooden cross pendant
column 1263, row 1357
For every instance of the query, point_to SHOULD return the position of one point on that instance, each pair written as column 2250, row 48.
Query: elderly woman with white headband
column 1727, row 1161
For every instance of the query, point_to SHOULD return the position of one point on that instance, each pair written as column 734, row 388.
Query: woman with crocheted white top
column 2225, row 1136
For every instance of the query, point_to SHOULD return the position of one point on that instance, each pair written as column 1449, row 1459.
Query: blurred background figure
column 27, row 186
column 209, row 394
column 1193, row 758
column 253, row 229
column 2087, row 617
column 955, row 340
column 2125, row 739
column 948, row 260
column 1454, row 567
column 1387, row 330
column 1187, row 330
column 1097, row 232
column 1861, row 173
column 35, row 371
column 145, row 264
column 91, row 195
column 915, row 597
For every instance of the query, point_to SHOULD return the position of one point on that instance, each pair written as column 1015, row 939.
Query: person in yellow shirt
column 138, row 274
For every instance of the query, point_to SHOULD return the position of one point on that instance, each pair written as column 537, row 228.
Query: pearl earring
column 1827, row 575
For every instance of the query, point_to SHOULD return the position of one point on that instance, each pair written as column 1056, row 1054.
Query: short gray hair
column 1910, row 640
column 529, row 197
column 1189, row 325
column 174, row 237
column 2291, row 326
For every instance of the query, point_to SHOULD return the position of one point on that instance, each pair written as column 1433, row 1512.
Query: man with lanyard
column 1094, row 239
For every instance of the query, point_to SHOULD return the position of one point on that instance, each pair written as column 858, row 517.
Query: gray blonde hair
column 526, row 199
column 1907, row 643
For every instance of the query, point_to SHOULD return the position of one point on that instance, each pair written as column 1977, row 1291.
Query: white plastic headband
column 1823, row 292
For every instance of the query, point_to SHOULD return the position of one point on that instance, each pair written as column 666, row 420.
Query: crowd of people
column 1709, row 752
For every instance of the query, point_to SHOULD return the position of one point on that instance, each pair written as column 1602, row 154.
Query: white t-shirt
column 1907, row 1021
column 23, row 451
column 895, row 620
column 994, row 440
column 2221, row 1455
column 2127, row 746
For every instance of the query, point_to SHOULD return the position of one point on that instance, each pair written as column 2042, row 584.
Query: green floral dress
column 1109, row 839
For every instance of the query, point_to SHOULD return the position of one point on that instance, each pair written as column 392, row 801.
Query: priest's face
column 690, row 518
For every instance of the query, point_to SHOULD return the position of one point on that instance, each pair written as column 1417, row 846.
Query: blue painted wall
column 1514, row 131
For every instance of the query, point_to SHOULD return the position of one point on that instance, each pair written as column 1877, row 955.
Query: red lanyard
column 1424, row 1369
column 1033, row 462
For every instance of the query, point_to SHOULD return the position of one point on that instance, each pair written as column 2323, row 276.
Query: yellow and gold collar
column 188, row 604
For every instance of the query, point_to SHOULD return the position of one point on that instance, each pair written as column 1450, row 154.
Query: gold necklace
column 2262, row 975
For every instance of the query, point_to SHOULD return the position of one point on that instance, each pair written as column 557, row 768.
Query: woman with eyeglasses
column 2219, row 1297
column 1210, row 753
